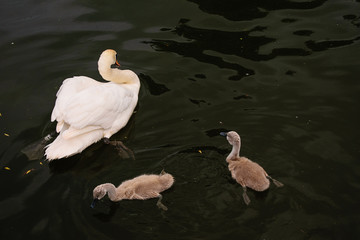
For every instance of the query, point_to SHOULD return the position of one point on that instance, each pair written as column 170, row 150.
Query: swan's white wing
column 69, row 88
column 100, row 105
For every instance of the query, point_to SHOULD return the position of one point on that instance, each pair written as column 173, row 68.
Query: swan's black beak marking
column 116, row 64
column 94, row 202
column 224, row 134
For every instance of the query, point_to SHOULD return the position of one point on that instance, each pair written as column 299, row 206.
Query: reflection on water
column 249, row 10
column 284, row 74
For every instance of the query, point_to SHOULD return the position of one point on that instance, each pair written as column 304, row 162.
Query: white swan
column 142, row 187
column 246, row 172
column 87, row 110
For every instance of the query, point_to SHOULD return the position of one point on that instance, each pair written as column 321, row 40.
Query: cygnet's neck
column 235, row 152
column 115, row 194
column 111, row 191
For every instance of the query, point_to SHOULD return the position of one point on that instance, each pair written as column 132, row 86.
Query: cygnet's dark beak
column 94, row 202
column 224, row 134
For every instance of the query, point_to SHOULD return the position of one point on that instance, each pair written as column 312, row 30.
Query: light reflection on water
column 283, row 74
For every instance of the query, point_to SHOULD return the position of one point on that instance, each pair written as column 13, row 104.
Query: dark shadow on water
column 64, row 164
column 216, row 132
column 153, row 87
column 261, row 196
column 329, row 44
column 36, row 150
column 199, row 41
column 246, row 10
column 106, row 216
column 35, row 139
column 355, row 20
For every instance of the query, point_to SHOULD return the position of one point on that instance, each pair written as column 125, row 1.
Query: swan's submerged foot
column 160, row 205
column 119, row 145
column 36, row 150
column 245, row 196
column 276, row 182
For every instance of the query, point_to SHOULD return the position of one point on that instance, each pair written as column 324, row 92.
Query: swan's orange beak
column 116, row 64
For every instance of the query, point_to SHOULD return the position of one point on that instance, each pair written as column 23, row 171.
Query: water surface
column 284, row 74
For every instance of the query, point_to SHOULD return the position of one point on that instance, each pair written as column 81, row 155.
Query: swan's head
column 98, row 193
column 107, row 61
column 232, row 137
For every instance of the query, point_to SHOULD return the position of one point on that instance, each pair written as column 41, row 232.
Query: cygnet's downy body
column 246, row 172
column 142, row 187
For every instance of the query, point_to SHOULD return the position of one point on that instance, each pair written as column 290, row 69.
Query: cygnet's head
column 232, row 137
column 98, row 193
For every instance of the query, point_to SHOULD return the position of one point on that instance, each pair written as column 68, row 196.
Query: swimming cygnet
column 142, row 187
column 246, row 172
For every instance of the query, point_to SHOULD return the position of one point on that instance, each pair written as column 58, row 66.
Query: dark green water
column 284, row 74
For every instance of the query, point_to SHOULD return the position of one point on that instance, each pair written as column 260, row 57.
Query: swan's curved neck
column 235, row 152
column 111, row 191
column 118, row 76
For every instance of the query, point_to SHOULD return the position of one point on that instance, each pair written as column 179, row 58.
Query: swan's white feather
column 69, row 88
column 61, row 147
column 80, row 110
column 87, row 110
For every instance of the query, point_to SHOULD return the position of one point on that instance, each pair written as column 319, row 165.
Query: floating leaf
column 7, row 168
column 28, row 171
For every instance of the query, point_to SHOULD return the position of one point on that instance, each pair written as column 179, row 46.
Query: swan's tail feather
column 62, row 148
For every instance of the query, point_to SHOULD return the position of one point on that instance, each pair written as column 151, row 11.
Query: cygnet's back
column 249, row 173
column 148, row 186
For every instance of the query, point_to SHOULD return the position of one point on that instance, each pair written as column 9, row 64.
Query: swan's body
column 87, row 110
column 142, row 187
column 246, row 172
